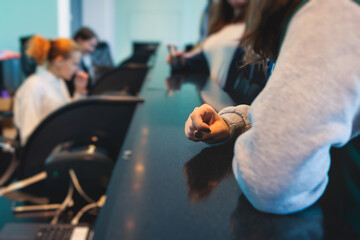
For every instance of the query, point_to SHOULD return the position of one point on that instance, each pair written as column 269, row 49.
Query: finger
column 82, row 75
column 209, row 114
column 78, row 73
column 202, row 136
column 190, row 134
column 189, row 131
column 190, row 125
column 189, row 128
column 198, row 134
column 195, row 127
column 198, row 121
column 220, row 132
column 195, row 135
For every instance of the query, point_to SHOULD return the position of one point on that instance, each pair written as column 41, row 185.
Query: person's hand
column 177, row 59
column 80, row 82
column 204, row 124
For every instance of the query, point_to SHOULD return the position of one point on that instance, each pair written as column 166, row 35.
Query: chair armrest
column 9, row 142
column 12, row 147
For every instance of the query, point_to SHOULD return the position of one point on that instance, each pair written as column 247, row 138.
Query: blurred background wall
column 25, row 17
column 119, row 22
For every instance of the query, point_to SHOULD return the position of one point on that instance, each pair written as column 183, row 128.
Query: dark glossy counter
column 166, row 187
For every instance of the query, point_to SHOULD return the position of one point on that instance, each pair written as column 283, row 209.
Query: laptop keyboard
column 62, row 232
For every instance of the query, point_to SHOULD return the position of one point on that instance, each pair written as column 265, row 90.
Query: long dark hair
column 265, row 22
column 223, row 14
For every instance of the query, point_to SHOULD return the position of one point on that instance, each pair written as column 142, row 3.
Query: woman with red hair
column 45, row 90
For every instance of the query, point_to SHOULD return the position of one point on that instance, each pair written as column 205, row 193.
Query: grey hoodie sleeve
column 237, row 119
column 310, row 104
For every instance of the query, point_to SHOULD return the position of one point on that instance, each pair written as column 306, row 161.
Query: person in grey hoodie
column 310, row 104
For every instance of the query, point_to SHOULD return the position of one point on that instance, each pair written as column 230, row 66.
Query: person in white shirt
column 226, row 27
column 45, row 91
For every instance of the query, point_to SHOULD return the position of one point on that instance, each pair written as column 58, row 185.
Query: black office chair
column 96, row 121
column 8, row 162
column 126, row 79
column 138, row 59
column 142, row 53
column 103, row 120
column 28, row 64
column 101, row 57
column 145, row 47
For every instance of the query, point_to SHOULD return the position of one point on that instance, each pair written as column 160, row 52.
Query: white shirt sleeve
column 27, row 111
column 78, row 96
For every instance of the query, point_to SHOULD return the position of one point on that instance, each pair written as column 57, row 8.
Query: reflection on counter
column 335, row 216
column 176, row 81
column 206, row 170
column 248, row 223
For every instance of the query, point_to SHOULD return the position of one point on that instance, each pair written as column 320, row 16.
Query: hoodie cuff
column 237, row 119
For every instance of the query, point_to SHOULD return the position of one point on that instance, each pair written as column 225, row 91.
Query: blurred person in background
column 205, row 18
column 45, row 91
column 221, row 46
column 87, row 41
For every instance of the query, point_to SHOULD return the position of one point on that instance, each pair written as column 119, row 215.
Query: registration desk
column 166, row 187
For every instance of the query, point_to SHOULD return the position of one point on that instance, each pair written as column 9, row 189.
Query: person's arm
column 27, row 112
column 197, row 62
column 309, row 105
column 190, row 62
column 80, row 84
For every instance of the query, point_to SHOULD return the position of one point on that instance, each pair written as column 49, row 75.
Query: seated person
column 283, row 140
column 45, row 91
column 222, row 44
column 87, row 41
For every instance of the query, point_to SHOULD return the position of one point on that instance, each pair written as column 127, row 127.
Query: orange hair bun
column 38, row 48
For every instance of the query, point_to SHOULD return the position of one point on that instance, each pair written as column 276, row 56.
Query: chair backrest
column 28, row 64
column 10, row 74
column 102, row 121
column 145, row 47
column 142, row 53
column 101, row 57
column 124, row 78
column 142, row 59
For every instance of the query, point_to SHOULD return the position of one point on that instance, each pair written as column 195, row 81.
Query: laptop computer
column 38, row 231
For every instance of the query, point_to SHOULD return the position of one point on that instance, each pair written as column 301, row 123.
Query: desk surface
column 171, row 188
